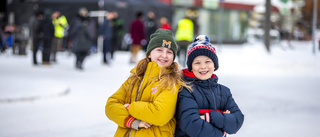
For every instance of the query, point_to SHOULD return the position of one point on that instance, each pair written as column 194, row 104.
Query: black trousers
column 35, row 48
column 80, row 55
column 106, row 49
column 115, row 44
column 46, row 51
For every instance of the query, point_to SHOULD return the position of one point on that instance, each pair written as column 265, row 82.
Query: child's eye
column 169, row 52
column 208, row 61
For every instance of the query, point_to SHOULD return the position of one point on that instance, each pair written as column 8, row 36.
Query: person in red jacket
column 137, row 33
column 164, row 23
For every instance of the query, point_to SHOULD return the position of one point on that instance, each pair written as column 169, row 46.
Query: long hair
column 169, row 76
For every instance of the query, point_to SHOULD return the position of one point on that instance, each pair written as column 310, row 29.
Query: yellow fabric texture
column 59, row 26
column 156, row 105
column 184, row 30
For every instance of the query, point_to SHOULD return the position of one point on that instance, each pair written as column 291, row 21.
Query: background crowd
column 50, row 32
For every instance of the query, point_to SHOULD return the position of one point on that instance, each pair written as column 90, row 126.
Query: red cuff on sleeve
column 202, row 111
column 128, row 121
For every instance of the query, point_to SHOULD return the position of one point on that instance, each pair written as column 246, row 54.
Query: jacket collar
column 186, row 72
column 189, row 76
column 152, row 70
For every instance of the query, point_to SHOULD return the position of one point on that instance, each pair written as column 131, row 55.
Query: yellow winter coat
column 156, row 105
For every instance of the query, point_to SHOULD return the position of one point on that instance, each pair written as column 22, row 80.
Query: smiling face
column 162, row 56
column 202, row 67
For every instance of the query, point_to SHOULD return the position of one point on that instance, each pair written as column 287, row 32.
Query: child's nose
column 164, row 54
column 202, row 65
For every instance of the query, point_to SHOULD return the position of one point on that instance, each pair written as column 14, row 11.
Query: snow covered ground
column 278, row 92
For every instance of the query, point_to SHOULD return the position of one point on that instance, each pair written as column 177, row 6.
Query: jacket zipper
column 214, row 98
column 138, row 92
column 137, row 96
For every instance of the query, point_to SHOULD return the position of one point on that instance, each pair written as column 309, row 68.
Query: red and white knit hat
column 201, row 46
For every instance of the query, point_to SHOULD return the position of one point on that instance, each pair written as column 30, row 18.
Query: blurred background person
column 48, row 33
column 21, row 37
column 60, row 24
column 81, row 37
column 37, row 35
column 2, row 40
column 151, row 26
column 137, row 35
column 118, row 33
column 184, row 37
column 164, row 23
column 8, row 37
column 106, row 31
column 2, row 37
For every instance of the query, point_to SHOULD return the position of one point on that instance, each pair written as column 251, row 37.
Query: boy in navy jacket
column 208, row 110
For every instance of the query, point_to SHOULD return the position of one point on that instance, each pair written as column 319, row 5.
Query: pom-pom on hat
column 162, row 38
column 201, row 46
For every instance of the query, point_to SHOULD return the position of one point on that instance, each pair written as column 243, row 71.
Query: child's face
column 162, row 56
column 202, row 67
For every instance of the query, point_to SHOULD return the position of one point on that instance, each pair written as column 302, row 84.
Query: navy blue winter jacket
column 207, row 95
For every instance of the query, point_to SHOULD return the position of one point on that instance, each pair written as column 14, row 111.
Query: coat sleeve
column 189, row 120
column 63, row 21
column 232, row 122
column 114, row 108
column 159, row 112
column 74, row 28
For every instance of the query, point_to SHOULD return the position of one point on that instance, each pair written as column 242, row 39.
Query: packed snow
column 278, row 92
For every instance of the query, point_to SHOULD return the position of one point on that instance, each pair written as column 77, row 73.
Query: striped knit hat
column 201, row 46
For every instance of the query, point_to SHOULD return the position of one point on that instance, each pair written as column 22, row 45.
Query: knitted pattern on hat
column 162, row 38
column 201, row 47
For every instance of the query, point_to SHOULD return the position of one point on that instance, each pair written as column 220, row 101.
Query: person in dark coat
column 37, row 35
column 117, row 33
column 106, row 31
column 47, row 29
column 138, row 36
column 81, row 37
column 208, row 110
column 151, row 26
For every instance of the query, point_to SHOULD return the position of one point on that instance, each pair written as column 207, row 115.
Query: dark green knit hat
column 162, row 38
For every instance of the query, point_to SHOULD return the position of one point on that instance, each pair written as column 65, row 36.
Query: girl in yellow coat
column 144, row 106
